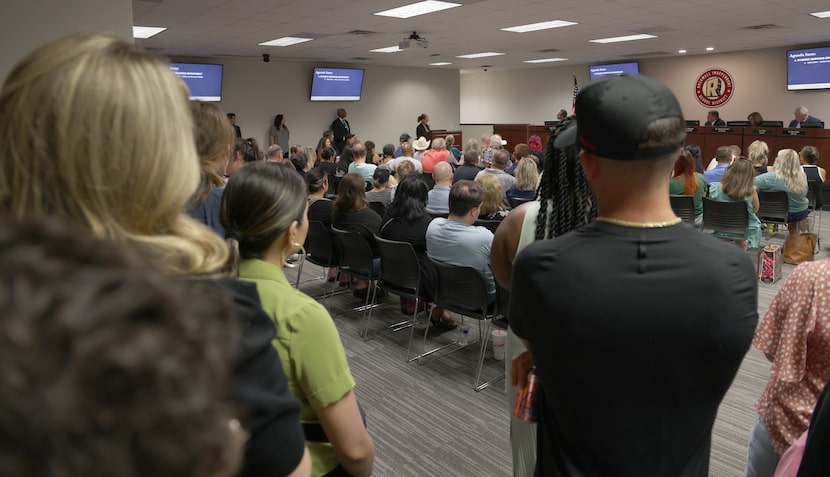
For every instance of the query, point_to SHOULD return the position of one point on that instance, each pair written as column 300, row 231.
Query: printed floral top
column 795, row 332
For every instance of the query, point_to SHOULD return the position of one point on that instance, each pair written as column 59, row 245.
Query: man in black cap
column 636, row 322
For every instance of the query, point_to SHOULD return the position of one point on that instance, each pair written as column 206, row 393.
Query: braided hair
column 565, row 199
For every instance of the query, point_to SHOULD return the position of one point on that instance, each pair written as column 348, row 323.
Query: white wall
column 391, row 100
column 533, row 96
column 28, row 24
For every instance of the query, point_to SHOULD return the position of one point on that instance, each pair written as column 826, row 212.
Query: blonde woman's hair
column 787, row 167
column 758, row 153
column 472, row 145
column 214, row 138
column 97, row 131
column 527, row 174
column 738, row 180
column 493, row 200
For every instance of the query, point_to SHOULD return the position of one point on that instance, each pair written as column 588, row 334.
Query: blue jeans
column 761, row 458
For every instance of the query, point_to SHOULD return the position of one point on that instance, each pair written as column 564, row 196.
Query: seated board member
column 626, row 391
column 112, row 183
column 802, row 115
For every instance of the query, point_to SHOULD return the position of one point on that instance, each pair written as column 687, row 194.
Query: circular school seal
column 713, row 87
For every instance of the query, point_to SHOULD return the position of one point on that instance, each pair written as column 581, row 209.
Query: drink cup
column 499, row 338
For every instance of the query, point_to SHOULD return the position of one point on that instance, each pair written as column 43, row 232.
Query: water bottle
column 465, row 334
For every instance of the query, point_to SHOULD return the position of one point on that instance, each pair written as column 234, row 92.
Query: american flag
column 576, row 93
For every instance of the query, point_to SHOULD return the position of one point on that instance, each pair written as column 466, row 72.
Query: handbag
column 769, row 264
column 799, row 248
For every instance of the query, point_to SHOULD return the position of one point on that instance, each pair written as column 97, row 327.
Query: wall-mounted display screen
column 808, row 68
column 598, row 71
column 336, row 84
column 204, row 81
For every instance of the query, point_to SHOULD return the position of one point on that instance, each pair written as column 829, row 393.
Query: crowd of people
column 148, row 326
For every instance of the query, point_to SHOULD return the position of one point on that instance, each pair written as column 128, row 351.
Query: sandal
column 443, row 323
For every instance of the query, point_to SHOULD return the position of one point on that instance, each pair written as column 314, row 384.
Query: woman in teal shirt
column 788, row 176
column 737, row 184
column 264, row 211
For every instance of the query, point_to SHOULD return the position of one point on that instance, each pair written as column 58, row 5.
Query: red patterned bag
column 770, row 260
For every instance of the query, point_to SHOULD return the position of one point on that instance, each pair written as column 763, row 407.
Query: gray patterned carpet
column 426, row 420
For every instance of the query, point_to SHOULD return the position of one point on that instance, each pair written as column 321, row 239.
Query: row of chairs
column 733, row 218
column 461, row 290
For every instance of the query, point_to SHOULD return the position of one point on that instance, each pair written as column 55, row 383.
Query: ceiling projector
column 413, row 41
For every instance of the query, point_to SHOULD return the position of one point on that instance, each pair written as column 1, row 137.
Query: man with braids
column 630, row 381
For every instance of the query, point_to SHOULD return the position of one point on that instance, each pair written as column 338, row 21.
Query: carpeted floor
column 426, row 420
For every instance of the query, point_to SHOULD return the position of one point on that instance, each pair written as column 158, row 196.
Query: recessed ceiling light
column 681, row 51
column 440, row 63
column 710, row 48
column 146, row 32
column 825, row 14
column 480, row 55
column 641, row 36
column 415, row 9
column 388, row 49
column 286, row 41
column 539, row 26
column 545, row 60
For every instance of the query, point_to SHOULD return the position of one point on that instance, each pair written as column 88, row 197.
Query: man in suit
column 802, row 116
column 232, row 119
column 713, row 119
column 341, row 129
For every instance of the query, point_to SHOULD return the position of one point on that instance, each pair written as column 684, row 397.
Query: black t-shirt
column 364, row 221
column 465, row 172
column 636, row 335
column 270, row 413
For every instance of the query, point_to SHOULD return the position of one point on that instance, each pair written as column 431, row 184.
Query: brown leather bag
column 799, row 248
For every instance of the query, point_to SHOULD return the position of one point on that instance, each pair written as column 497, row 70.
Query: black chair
column 319, row 249
column 463, row 290
column 378, row 207
column 490, row 225
column 773, row 207
column 436, row 215
column 356, row 260
column 684, row 207
column 334, row 181
column 515, row 201
column 728, row 220
column 400, row 274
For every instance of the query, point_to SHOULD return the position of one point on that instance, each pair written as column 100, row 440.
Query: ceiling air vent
column 362, row 32
column 360, row 58
column 548, row 50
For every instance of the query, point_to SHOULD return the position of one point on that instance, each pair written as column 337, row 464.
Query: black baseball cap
column 612, row 114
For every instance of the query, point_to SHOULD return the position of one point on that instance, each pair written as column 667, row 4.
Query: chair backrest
column 429, row 180
column 356, row 252
column 684, row 207
column 399, row 266
column 726, row 217
column 813, row 190
column 334, row 181
column 490, row 225
column 378, row 207
column 319, row 246
column 461, row 289
column 515, row 201
column 436, row 215
column 773, row 206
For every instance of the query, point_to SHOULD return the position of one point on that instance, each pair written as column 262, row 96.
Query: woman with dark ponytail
column 265, row 214
column 565, row 203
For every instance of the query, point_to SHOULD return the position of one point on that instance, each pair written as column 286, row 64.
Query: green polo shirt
column 309, row 346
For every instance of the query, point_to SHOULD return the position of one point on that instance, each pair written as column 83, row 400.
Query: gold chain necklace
column 640, row 225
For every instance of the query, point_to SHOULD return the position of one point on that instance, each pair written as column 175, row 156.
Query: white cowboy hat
column 420, row 144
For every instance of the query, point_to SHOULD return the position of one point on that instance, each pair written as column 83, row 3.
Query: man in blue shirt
column 713, row 119
column 724, row 158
